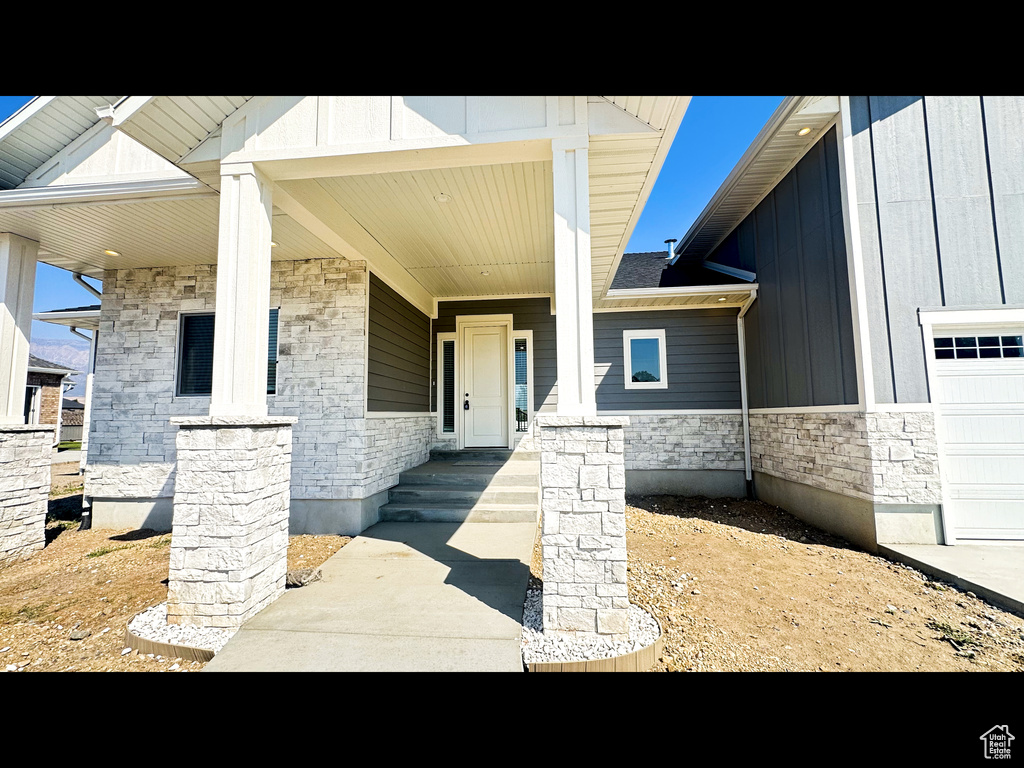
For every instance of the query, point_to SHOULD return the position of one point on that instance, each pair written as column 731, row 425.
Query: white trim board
column 675, row 412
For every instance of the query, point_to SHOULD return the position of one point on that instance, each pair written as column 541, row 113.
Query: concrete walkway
column 994, row 572
column 400, row 597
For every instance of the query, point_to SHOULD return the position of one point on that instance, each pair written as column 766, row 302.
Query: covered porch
column 312, row 207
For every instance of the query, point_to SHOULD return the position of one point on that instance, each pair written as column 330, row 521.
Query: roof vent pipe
column 669, row 244
column 78, row 278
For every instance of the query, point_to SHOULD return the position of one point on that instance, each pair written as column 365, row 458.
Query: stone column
column 24, row 449
column 583, row 508
column 229, row 540
column 25, row 453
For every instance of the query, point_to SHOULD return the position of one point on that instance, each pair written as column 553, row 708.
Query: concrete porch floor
column 400, row 597
column 992, row 571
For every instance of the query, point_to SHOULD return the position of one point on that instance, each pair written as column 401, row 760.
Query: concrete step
column 473, row 477
column 455, row 513
column 408, row 493
column 482, row 455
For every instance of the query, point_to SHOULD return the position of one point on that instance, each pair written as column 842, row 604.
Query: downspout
column 744, row 406
column 78, row 278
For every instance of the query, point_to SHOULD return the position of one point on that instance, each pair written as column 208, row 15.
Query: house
column 44, row 392
column 302, row 296
column 72, row 418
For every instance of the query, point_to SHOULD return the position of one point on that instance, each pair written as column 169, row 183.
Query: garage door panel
column 1005, row 429
column 981, row 409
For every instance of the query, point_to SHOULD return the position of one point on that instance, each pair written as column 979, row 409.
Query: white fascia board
column 689, row 290
column 789, row 105
column 82, row 193
column 969, row 316
column 88, row 319
column 669, row 135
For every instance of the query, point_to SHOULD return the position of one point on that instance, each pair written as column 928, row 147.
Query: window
column 978, row 347
column 447, row 385
column 644, row 359
column 195, row 354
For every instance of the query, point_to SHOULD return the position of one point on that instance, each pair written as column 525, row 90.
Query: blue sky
column 713, row 136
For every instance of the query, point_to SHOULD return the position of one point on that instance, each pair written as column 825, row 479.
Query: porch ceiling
column 499, row 220
column 154, row 233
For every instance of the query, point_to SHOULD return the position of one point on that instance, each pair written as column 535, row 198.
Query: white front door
column 485, row 387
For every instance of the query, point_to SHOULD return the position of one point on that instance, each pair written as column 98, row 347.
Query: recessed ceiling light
column 721, row 298
column 273, row 244
column 803, row 131
column 111, row 253
column 443, row 198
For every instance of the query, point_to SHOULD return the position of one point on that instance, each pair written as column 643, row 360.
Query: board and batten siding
column 527, row 315
column 940, row 200
column 702, row 358
column 399, row 353
column 799, row 331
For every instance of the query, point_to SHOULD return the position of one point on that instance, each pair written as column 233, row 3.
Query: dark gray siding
column 799, row 331
column 702, row 356
column 527, row 315
column 399, row 355
column 940, row 198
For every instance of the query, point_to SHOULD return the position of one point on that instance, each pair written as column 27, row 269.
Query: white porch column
column 574, row 325
column 17, row 286
column 24, row 450
column 232, row 490
column 243, row 294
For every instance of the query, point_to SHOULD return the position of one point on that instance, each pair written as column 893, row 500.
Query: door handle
column 465, row 405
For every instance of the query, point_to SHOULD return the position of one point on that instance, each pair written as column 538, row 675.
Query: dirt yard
column 67, row 607
column 737, row 585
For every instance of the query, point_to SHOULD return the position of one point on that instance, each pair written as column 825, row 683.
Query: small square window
column 644, row 363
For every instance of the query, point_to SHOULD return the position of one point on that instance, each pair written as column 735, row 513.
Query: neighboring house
column 302, row 296
column 44, row 392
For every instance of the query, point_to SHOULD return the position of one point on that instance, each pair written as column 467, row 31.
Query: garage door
column 980, row 378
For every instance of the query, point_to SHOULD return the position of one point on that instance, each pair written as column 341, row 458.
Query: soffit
column 42, row 128
column 499, row 219
column 153, row 233
column 172, row 126
column 770, row 156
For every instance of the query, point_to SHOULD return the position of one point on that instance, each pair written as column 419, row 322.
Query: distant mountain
column 73, row 352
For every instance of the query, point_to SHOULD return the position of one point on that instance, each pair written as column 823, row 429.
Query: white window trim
column 530, row 412
column 441, row 338
column 627, row 367
column 35, row 402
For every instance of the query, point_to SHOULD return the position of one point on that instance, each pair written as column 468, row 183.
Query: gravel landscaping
column 539, row 647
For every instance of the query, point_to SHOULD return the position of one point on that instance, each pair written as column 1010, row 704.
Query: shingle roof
column 651, row 270
column 87, row 308
column 38, row 362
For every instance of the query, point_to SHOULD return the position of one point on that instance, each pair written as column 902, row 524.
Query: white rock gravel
column 538, row 647
column 152, row 624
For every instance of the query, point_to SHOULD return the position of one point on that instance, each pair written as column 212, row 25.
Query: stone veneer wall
column 25, row 453
column 879, row 457
column 583, row 533
column 393, row 445
column 320, row 376
column 229, row 543
column 684, row 441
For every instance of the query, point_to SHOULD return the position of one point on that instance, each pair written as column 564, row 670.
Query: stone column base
column 583, row 535
column 229, row 540
column 25, row 454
